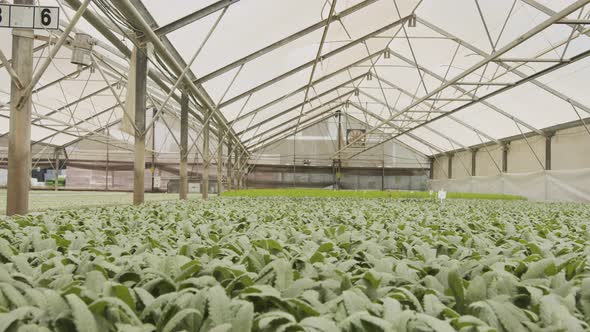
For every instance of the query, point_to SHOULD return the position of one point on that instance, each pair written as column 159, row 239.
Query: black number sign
column 46, row 17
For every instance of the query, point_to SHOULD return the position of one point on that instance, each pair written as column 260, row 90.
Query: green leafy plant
column 301, row 192
column 298, row 264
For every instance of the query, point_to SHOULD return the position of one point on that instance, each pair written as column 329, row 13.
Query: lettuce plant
column 298, row 264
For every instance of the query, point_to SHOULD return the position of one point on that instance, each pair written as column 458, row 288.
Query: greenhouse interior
column 295, row 165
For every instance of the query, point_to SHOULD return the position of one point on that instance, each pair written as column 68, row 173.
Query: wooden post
column 548, row 157
column 450, row 166
column 183, row 170
column 19, row 138
column 229, row 166
column 473, row 162
column 140, row 104
column 56, row 170
column 505, row 158
column 219, row 161
column 206, row 159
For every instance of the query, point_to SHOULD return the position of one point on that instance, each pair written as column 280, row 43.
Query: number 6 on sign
column 46, row 18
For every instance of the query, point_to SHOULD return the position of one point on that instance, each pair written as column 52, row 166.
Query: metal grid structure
column 431, row 75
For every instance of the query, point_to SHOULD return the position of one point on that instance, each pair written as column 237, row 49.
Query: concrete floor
column 44, row 200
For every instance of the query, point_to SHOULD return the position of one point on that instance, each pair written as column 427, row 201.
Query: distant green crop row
column 298, row 192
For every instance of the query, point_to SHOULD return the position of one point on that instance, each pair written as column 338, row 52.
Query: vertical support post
column 219, row 160
column 383, row 177
column 245, row 177
column 153, row 163
column 473, row 162
column 106, row 169
column 229, row 166
column 431, row 168
column 505, row 148
column 19, row 138
column 206, row 159
column 450, row 166
column 183, row 169
column 548, row 157
column 236, row 170
column 339, row 163
column 140, row 97
column 56, row 170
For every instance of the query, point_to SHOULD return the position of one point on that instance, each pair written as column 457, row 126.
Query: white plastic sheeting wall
column 569, row 179
column 562, row 185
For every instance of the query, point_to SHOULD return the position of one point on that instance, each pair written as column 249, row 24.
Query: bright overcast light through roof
column 295, row 165
column 427, row 77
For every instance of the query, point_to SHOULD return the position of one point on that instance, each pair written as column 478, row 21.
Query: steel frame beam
column 255, row 147
column 550, row 12
column 293, row 108
column 310, row 63
column 517, row 72
column 405, row 121
column 136, row 13
column 293, row 119
column 96, row 131
column 193, row 17
column 489, row 58
column 483, row 102
column 525, row 80
column 295, row 126
column 283, row 42
column 102, row 28
column 433, row 108
column 302, row 88
column 64, row 131
column 413, row 136
column 406, row 145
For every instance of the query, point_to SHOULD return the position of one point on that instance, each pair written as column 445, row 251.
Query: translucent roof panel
column 255, row 60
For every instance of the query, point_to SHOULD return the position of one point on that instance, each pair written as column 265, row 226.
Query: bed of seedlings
column 299, row 264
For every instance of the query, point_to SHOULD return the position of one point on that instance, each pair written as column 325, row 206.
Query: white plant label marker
column 442, row 195
column 29, row 17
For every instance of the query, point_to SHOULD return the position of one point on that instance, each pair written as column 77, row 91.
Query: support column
column 383, row 177
column 153, row 163
column 19, row 138
column 140, row 97
column 244, row 171
column 236, row 170
column 56, row 170
column 106, row 169
column 229, row 166
column 450, row 166
column 431, row 168
column 548, row 157
column 473, row 162
column 183, row 185
column 219, row 160
column 206, row 159
column 505, row 158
